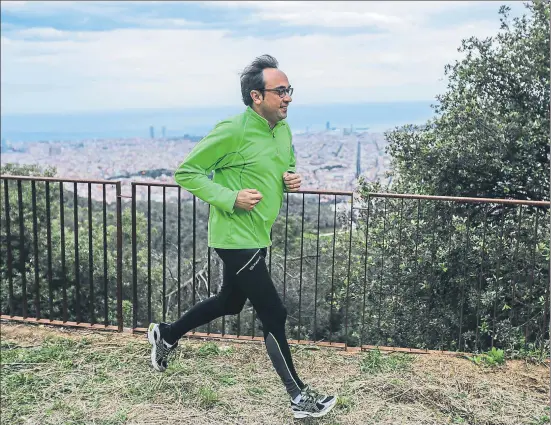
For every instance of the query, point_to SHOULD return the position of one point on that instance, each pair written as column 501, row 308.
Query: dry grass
column 58, row 376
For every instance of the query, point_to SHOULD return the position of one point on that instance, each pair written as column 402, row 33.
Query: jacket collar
column 253, row 114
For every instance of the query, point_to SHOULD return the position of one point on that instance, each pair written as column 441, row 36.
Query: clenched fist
column 292, row 181
column 247, row 199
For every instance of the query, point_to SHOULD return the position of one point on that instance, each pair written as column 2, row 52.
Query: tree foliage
column 490, row 135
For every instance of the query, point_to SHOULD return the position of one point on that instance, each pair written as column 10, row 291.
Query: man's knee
column 233, row 309
column 233, row 306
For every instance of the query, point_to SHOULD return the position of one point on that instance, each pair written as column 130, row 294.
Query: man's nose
column 288, row 98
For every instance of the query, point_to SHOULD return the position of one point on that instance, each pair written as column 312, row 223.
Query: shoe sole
column 151, row 339
column 302, row 415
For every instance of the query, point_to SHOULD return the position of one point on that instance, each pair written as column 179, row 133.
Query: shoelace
column 311, row 394
column 310, row 398
column 163, row 351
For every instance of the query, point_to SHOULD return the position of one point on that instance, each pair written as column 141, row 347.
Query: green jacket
column 244, row 153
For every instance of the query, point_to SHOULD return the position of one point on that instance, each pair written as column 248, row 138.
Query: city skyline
column 328, row 159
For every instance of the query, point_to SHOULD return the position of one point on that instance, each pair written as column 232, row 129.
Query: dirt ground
column 66, row 376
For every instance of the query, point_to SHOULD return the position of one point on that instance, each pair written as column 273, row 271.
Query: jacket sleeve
column 214, row 151
column 292, row 167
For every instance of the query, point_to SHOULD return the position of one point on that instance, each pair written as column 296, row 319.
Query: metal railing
column 385, row 270
column 49, row 266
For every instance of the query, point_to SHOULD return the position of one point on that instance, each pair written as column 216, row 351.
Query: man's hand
column 292, row 181
column 247, row 199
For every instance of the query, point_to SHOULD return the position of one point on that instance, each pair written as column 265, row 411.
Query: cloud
column 42, row 34
column 184, row 64
column 344, row 14
column 13, row 5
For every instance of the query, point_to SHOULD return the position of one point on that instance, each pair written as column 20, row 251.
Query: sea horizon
column 196, row 122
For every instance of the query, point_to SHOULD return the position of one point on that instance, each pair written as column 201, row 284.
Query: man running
column 253, row 162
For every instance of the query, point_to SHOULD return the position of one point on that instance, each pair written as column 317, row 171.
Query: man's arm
column 214, row 151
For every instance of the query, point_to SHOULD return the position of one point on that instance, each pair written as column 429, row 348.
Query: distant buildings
column 152, row 132
column 325, row 159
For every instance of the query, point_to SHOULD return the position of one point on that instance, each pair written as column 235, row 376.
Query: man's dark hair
column 252, row 77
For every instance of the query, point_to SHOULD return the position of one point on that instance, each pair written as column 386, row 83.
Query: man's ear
column 256, row 96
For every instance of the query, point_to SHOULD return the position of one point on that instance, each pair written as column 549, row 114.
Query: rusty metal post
column 120, row 319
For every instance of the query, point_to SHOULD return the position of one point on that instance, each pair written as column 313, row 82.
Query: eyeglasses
column 281, row 91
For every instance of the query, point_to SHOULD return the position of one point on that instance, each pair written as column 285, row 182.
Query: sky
column 78, row 56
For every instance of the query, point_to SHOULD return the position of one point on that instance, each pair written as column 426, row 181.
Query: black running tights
column 246, row 277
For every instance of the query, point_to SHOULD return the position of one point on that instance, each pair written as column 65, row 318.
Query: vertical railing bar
column 194, row 245
column 497, row 277
column 348, row 283
column 91, row 257
column 164, row 253
column 316, row 272
column 134, row 262
column 180, row 250
column 77, row 259
column 381, row 275
column 253, row 318
column 35, row 246
column 270, row 260
column 8, row 242
column 194, row 252
column 433, row 276
column 208, row 265
column 333, row 271
column 208, row 282
column 301, row 268
column 105, row 284
column 365, row 269
column 120, row 318
column 464, row 281
column 62, row 242
column 22, row 248
column 149, row 313
column 544, row 318
column 481, row 275
column 444, row 287
column 223, row 317
column 399, row 273
column 515, row 271
column 417, row 240
column 49, row 252
column 285, row 250
column 531, row 290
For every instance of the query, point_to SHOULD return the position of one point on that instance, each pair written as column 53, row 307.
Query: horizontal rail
column 391, row 195
column 305, row 191
column 157, row 184
column 461, row 199
column 325, row 192
column 57, row 179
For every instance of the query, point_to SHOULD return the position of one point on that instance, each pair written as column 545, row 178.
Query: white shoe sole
column 302, row 415
column 151, row 339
